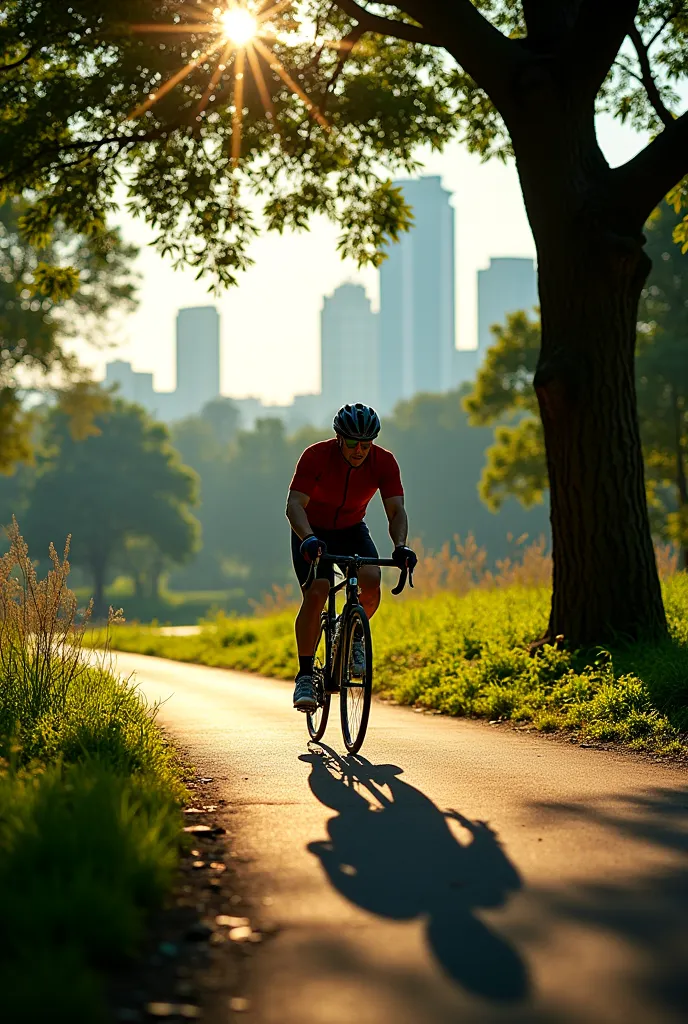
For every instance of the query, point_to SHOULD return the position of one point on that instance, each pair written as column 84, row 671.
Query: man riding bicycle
column 332, row 485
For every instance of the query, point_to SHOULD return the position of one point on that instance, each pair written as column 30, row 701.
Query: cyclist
column 332, row 485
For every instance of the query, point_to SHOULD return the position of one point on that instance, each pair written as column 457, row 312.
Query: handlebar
column 404, row 574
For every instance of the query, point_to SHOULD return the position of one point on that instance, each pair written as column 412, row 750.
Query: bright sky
column 270, row 323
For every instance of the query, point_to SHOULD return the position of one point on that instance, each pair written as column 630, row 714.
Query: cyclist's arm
column 398, row 520
column 296, row 514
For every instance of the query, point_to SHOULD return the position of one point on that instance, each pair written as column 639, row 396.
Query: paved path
column 453, row 873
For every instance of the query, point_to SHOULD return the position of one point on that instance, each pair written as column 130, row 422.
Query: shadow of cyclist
column 391, row 852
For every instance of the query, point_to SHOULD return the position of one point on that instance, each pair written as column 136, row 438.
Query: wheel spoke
column 356, row 691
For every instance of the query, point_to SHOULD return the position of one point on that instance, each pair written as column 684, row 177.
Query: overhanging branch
column 597, row 37
column 387, row 26
column 639, row 185
column 647, row 77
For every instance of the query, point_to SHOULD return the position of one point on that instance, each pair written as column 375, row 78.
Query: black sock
column 305, row 665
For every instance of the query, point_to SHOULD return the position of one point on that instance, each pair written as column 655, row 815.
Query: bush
column 89, row 804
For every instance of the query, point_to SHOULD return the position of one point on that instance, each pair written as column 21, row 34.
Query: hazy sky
column 270, row 323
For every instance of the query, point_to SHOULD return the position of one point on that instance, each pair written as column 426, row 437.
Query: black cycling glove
column 404, row 558
column 311, row 548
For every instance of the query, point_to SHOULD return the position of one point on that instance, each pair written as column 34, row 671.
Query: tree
column 199, row 119
column 662, row 380
column 50, row 291
column 516, row 463
column 124, row 484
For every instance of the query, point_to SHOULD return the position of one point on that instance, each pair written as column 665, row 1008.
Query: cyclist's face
column 355, row 456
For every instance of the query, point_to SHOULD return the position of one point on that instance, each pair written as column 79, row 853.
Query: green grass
column 467, row 655
column 171, row 607
column 90, row 818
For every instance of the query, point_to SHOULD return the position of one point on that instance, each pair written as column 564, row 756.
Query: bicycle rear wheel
column 317, row 720
column 356, row 691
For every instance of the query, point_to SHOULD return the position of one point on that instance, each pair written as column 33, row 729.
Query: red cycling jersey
column 339, row 492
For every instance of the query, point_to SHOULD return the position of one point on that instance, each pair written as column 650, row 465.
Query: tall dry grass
column 45, row 677
column 462, row 565
column 89, row 802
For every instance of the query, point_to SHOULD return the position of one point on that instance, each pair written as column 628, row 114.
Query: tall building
column 131, row 385
column 349, row 349
column 417, row 302
column 198, row 358
column 506, row 286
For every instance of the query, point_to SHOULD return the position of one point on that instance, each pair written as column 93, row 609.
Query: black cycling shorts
column 354, row 540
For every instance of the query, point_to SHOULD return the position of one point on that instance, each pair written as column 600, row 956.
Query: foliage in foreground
column 467, row 654
column 89, row 793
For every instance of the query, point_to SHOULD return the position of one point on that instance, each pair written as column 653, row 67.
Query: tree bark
column 605, row 583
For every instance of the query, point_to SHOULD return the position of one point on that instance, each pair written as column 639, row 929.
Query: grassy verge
column 89, row 807
column 467, row 655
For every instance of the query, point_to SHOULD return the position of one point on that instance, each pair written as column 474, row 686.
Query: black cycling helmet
column 358, row 422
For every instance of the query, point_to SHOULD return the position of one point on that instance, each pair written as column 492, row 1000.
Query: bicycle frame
column 334, row 671
column 350, row 565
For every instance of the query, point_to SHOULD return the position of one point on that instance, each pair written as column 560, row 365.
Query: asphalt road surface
column 453, row 872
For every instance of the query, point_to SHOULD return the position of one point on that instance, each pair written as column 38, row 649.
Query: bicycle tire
column 354, row 703
column 317, row 720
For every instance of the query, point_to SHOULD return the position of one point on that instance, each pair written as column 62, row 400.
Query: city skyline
column 275, row 310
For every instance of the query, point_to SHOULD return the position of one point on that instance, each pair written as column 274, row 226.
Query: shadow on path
column 391, row 852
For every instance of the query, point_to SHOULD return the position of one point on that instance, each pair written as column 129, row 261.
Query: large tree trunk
column 605, row 585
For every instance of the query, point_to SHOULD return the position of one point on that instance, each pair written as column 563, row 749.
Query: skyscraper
column 130, row 385
column 507, row 285
column 349, row 349
column 417, row 306
column 198, row 358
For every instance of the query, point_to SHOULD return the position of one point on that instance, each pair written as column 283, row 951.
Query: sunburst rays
column 242, row 34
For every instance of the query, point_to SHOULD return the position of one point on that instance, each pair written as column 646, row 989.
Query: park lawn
column 468, row 655
column 90, row 808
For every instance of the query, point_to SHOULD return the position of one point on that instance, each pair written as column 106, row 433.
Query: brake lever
column 402, row 582
column 410, row 579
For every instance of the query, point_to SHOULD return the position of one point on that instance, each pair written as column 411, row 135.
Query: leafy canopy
column 66, row 285
column 314, row 116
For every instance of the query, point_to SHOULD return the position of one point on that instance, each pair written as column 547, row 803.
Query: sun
column 237, row 36
column 239, row 25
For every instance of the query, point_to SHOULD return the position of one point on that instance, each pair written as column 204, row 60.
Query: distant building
column 417, row 300
column 465, row 366
column 306, row 411
column 131, row 385
column 198, row 358
column 250, row 410
column 349, row 349
column 506, row 286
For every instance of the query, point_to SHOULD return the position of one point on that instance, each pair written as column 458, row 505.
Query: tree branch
column 640, row 184
column 675, row 11
column 647, row 77
column 481, row 49
column 546, row 22
column 597, row 37
column 387, row 26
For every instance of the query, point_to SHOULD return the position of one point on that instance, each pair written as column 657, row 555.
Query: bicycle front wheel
column 317, row 720
column 356, row 679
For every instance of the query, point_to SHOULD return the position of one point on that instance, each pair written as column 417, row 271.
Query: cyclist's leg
column 314, row 595
column 369, row 581
column 307, row 624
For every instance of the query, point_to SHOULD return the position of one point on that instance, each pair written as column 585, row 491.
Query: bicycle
column 333, row 654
